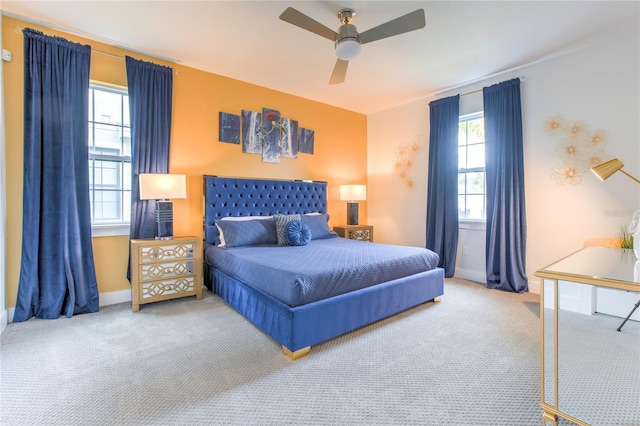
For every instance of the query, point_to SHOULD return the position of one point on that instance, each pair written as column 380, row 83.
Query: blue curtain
column 442, row 192
column 57, row 273
column 150, row 102
column 506, row 218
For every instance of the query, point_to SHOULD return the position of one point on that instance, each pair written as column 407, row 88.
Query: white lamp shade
column 353, row 192
column 348, row 49
column 162, row 186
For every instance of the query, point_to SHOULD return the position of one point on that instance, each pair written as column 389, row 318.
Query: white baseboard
column 106, row 299
column 534, row 286
column 479, row 277
column 468, row 274
column 4, row 320
column 115, row 297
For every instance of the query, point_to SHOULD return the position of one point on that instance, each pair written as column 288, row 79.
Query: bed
column 294, row 278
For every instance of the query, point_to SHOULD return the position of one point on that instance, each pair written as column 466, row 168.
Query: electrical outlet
column 465, row 250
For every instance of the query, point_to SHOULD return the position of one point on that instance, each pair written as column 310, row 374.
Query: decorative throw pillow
column 298, row 233
column 319, row 226
column 247, row 232
column 222, row 242
column 281, row 226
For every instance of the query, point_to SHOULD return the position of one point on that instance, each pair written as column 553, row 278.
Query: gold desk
column 612, row 268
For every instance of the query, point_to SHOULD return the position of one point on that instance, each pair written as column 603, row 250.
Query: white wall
column 598, row 85
column 397, row 211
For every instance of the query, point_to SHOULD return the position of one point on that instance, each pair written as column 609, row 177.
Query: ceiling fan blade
column 301, row 20
column 339, row 72
column 409, row 22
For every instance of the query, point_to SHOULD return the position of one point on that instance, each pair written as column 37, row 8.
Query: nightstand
column 355, row 232
column 165, row 269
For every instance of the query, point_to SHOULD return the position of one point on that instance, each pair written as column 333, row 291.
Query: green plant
column 625, row 237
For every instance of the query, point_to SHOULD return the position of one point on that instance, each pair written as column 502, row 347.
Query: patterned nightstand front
column 355, row 232
column 165, row 269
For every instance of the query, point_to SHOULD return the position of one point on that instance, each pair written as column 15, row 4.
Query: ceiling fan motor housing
column 348, row 44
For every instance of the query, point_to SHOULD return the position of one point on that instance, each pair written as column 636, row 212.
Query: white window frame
column 115, row 228
column 467, row 223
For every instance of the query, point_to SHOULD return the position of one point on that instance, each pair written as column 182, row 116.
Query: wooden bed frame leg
column 437, row 299
column 293, row 356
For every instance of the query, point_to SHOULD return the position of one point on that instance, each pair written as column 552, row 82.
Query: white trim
column 3, row 203
column 479, row 277
column 471, row 116
column 627, row 28
column 109, row 230
column 479, row 225
column 4, row 319
column 534, row 286
column 106, row 299
column 471, row 275
column 89, row 36
column 115, row 297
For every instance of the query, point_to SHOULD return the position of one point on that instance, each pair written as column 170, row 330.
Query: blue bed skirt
column 299, row 327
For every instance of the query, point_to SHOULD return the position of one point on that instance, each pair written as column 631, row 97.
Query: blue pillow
column 319, row 226
column 297, row 233
column 248, row 232
column 281, row 221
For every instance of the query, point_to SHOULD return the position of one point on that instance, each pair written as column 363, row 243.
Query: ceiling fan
column 348, row 42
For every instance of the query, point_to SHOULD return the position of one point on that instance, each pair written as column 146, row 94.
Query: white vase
column 636, row 244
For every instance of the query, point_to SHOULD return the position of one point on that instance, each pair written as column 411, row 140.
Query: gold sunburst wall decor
column 405, row 159
column 579, row 148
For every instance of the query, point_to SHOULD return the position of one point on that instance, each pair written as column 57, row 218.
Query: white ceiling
column 245, row 40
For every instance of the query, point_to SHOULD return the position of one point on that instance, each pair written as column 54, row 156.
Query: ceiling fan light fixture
column 348, row 48
column 348, row 41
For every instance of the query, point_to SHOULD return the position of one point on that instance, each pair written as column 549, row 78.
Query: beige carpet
column 470, row 360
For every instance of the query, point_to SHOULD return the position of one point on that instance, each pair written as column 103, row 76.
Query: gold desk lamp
column 603, row 171
column 606, row 169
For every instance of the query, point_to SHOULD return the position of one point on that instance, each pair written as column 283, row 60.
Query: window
column 471, row 168
column 109, row 158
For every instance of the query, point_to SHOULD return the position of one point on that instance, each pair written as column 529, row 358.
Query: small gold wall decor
column 579, row 148
column 405, row 159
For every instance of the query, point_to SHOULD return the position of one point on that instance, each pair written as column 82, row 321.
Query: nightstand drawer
column 166, row 252
column 158, row 271
column 166, row 289
column 355, row 232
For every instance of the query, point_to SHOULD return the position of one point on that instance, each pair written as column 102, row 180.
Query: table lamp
column 161, row 187
column 351, row 194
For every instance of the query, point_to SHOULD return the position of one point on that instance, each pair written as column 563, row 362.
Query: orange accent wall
column 340, row 153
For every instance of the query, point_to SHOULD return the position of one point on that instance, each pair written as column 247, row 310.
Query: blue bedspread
column 297, row 275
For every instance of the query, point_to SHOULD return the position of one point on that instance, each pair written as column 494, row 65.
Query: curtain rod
column 86, row 35
column 107, row 54
column 471, row 93
column 175, row 71
column 448, row 89
column 114, row 55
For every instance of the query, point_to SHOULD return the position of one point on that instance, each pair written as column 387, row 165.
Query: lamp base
column 352, row 213
column 164, row 220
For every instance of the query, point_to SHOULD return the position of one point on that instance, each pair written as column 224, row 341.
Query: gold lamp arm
column 630, row 176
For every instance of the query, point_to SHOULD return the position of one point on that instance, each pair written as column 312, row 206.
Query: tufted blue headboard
column 257, row 197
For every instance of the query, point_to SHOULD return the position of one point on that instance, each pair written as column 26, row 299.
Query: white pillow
column 247, row 217
column 237, row 218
